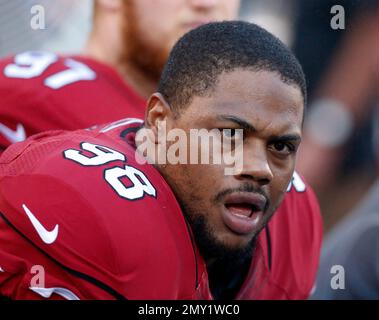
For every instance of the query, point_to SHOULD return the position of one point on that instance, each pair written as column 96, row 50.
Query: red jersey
column 41, row 91
column 79, row 206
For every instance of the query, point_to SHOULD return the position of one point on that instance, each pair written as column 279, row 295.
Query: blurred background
column 67, row 25
column 332, row 60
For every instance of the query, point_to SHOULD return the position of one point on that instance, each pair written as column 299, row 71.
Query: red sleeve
column 287, row 254
column 41, row 91
column 28, row 105
column 115, row 236
column 15, row 99
column 27, row 273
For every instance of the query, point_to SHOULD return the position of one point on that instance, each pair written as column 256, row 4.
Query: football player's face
column 228, row 211
column 152, row 27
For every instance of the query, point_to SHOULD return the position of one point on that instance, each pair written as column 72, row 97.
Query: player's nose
column 255, row 164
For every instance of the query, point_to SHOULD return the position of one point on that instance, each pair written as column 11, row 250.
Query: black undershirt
column 226, row 277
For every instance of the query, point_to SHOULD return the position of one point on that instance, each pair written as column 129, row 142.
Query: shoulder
column 52, row 72
column 30, row 77
column 44, row 91
column 301, row 207
column 30, row 87
column 296, row 230
column 94, row 169
column 116, row 214
column 38, row 67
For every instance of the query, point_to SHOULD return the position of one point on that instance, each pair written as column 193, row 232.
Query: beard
column 230, row 266
column 138, row 52
column 209, row 246
column 227, row 265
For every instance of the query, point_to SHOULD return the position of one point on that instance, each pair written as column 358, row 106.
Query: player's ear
column 158, row 112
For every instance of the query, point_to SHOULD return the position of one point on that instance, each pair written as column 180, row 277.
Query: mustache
column 243, row 188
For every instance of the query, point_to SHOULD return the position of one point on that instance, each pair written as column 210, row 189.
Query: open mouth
column 243, row 212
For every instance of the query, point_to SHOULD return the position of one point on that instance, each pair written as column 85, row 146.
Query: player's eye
column 283, row 148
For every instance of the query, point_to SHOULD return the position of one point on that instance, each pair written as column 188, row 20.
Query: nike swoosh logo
column 13, row 135
column 47, row 237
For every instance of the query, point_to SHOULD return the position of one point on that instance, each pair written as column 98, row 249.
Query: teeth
column 241, row 216
column 256, row 220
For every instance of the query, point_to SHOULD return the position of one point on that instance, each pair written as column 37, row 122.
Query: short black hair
column 201, row 55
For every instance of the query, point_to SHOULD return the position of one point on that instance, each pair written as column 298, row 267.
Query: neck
column 142, row 83
column 108, row 50
column 226, row 277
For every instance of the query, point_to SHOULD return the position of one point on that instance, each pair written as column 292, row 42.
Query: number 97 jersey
column 42, row 91
column 81, row 219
